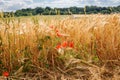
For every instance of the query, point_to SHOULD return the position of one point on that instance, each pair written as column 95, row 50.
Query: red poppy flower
column 58, row 46
column 6, row 74
column 52, row 27
column 59, row 35
column 71, row 44
column 65, row 44
column 56, row 30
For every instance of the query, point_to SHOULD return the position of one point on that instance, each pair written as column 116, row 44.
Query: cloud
column 57, row 3
column 12, row 5
column 101, row 2
column 79, row 3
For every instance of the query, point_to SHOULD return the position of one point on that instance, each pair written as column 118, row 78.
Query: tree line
column 64, row 11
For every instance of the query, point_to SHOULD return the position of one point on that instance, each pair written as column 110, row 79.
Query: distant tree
column 66, row 11
column 74, row 10
column 46, row 12
column 39, row 10
column 48, row 8
column 105, row 12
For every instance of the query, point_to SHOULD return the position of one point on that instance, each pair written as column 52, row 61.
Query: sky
column 13, row 5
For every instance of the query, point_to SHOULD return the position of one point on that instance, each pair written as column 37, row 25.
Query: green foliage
column 64, row 11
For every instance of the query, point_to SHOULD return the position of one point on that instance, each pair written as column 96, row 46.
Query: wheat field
column 86, row 47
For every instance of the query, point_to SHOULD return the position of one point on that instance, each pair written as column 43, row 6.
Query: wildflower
column 62, row 35
column 51, row 27
column 6, row 74
column 64, row 44
column 59, row 35
column 58, row 46
column 60, row 49
column 56, row 30
column 71, row 44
